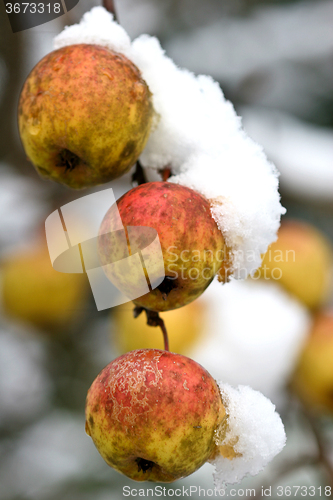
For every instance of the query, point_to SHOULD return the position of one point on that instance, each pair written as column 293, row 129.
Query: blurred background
column 274, row 61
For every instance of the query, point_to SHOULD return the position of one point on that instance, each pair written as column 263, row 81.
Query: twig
column 109, row 6
column 286, row 469
column 153, row 319
column 322, row 455
column 139, row 175
column 166, row 173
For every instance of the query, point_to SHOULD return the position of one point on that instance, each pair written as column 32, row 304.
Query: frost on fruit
column 199, row 136
column 152, row 415
column 254, row 435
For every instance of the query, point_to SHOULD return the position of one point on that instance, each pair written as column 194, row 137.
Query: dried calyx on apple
column 159, row 416
column 85, row 115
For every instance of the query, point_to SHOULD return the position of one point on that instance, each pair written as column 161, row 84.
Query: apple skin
column 184, row 325
column 313, row 377
column 84, row 115
column 307, row 260
column 192, row 245
column 152, row 415
column 33, row 292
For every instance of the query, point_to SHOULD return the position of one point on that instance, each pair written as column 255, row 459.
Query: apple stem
column 153, row 319
column 109, row 6
column 166, row 173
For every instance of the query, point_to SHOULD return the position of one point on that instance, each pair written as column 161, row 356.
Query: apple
column 153, row 415
column 84, row 115
column 313, row 377
column 184, row 326
column 301, row 260
column 33, row 292
column 192, row 245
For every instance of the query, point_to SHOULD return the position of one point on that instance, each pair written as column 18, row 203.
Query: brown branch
column 153, row 319
column 165, row 173
column 139, row 175
column 109, row 6
column 286, row 469
column 322, row 451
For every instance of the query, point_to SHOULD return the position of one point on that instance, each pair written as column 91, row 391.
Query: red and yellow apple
column 84, row 115
column 153, row 415
column 301, row 260
column 192, row 245
column 313, row 377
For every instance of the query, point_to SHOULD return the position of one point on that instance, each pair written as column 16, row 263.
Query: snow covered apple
column 153, row 415
column 84, row 115
column 192, row 245
column 158, row 416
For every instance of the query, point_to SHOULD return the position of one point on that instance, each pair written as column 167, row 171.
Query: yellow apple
column 301, row 260
column 313, row 377
column 33, row 292
column 84, row 115
column 184, row 326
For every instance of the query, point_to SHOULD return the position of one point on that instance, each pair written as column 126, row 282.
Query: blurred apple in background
column 301, row 261
column 313, row 378
column 32, row 291
column 253, row 335
column 184, row 326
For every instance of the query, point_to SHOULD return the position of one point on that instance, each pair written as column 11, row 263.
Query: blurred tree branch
column 110, row 7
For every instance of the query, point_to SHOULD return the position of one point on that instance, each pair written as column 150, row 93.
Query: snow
column 270, row 34
column 22, row 205
column 47, row 456
column 253, row 336
column 96, row 27
column 255, row 427
column 198, row 134
column 24, row 384
column 302, row 152
column 276, row 55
